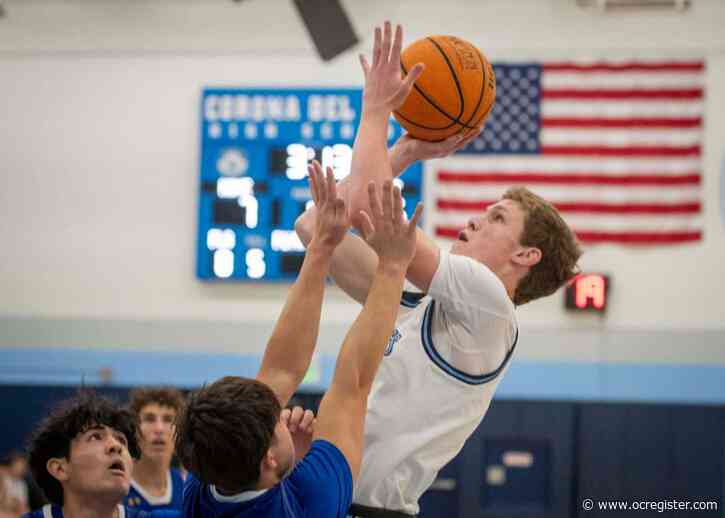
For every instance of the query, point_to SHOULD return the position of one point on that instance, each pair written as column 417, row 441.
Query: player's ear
column 527, row 256
column 58, row 468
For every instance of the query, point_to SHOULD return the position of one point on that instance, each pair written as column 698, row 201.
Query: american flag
column 616, row 147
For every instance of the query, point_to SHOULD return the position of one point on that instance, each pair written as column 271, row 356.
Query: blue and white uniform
column 138, row 498
column 439, row 373
column 54, row 511
column 320, row 486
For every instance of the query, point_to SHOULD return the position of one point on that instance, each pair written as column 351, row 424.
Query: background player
column 155, row 484
column 447, row 354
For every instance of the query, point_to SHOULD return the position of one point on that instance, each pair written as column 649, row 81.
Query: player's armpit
column 340, row 420
column 425, row 262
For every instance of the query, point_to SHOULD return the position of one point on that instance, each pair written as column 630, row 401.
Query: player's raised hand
column 301, row 424
column 386, row 228
column 332, row 221
column 385, row 87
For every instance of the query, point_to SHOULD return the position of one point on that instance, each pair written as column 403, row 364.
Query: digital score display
column 587, row 292
column 255, row 148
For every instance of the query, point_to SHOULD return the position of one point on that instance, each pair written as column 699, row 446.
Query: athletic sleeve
column 323, row 481
column 466, row 287
column 474, row 315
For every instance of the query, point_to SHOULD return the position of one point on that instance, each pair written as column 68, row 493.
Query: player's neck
column 77, row 506
column 152, row 475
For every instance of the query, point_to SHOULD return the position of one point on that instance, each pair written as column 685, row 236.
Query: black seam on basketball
column 434, row 105
column 453, row 74
column 431, row 102
column 483, row 88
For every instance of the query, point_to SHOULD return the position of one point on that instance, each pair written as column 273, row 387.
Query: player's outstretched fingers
column 387, row 43
column 388, row 200
column 376, row 46
column 331, row 184
column 407, row 85
column 414, row 220
column 314, row 186
column 397, row 46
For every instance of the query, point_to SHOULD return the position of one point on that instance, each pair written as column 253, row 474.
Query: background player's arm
column 341, row 417
column 290, row 348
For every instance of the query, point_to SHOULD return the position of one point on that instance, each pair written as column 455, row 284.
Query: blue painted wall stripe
column 525, row 380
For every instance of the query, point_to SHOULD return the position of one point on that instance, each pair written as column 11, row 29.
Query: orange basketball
column 455, row 92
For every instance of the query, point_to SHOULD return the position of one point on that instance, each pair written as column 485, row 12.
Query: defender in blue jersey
column 81, row 457
column 155, row 485
column 232, row 435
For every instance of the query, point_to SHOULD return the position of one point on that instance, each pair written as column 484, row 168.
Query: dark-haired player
column 232, row 437
column 82, row 458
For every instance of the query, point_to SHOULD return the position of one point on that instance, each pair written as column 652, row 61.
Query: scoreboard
column 255, row 148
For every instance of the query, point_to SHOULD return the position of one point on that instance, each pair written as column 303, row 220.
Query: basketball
column 455, row 92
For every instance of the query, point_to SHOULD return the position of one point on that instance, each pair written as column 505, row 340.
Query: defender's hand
column 386, row 229
column 332, row 221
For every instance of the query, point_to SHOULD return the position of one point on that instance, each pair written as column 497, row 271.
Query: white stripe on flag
column 633, row 137
column 534, row 163
column 580, row 194
column 685, row 80
column 623, row 108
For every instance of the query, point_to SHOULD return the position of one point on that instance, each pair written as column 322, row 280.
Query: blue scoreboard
column 255, row 148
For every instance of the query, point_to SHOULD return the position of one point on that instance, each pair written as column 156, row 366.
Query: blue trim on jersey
column 426, row 334
column 57, row 512
column 411, row 299
column 135, row 500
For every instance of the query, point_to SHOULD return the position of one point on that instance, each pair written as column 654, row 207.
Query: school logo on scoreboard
column 232, row 162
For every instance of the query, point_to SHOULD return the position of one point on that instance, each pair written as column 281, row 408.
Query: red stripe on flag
column 568, row 179
column 585, row 207
column 640, row 238
column 651, row 151
column 665, row 66
column 630, row 238
column 642, row 122
column 639, row 94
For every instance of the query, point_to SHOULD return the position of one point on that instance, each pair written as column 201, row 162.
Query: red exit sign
column 587, row 291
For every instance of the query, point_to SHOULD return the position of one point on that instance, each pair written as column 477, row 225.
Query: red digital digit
column 591, row 290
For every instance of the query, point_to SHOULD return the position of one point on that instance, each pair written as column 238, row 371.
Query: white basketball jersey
column 425, row 402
